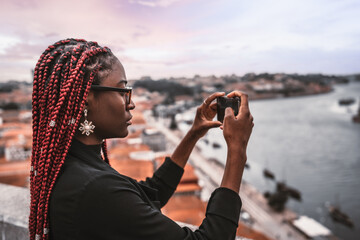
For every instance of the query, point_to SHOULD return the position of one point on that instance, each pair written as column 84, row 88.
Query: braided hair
column 62, row 79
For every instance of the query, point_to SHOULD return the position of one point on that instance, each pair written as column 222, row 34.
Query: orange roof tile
column 189, row 173
column 138, row 117
column 7, row 125
column 15, row 173
column 14, row 166
column 185, row 208
column 136, row 169
column 27, row 132
column 245, row 231
column 123, row 150
column 2, row 160
column 190, row 187
column 19, row 179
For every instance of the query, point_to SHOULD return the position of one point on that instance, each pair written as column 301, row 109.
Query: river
column 310, row 143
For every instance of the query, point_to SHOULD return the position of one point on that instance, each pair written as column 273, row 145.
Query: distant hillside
column 164, row 86
column 12, row 85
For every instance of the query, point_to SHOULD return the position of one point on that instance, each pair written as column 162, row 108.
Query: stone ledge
column 14, row 212
column 14, row 205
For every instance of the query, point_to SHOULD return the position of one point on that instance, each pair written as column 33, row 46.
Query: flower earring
column 86, row 127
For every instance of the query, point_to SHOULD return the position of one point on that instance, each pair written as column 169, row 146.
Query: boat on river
column 346, row 101
column 339, row 216
column 216, row 145
column 268, row 174
column 294, row 193
column 277, row 200
column 291, row 192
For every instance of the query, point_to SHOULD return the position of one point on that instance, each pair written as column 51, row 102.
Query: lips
column 129, row 122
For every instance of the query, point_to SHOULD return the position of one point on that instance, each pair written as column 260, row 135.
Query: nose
column 131, row 106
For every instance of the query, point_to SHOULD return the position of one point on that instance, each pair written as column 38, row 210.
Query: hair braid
column 50, row 136
column 62, row 80
column 104, row 149
column 62, row 155
column 40, row 76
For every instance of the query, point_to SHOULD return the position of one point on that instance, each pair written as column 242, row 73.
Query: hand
column 237, row 129
column 205, row 114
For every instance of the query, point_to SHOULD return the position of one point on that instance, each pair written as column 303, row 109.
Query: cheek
column 116, row 109
column 110, row 112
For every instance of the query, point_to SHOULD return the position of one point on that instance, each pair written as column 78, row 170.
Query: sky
column 181, row 38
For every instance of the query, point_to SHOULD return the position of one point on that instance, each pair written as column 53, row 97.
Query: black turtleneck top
column 91, row 200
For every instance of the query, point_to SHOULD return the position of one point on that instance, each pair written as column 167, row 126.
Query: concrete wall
column 14, row 212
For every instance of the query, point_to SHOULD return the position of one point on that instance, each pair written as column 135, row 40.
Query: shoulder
column 109, row 195
column 106, row 194
column 109, row 182
column 85, row 175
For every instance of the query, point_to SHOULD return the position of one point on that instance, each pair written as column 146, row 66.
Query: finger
column 213, row 124
column 213, row 96
column 244, row 102
column 229, row 113
column 213, row 106
column 244, row 99
column 235, row 93
column 222, row 127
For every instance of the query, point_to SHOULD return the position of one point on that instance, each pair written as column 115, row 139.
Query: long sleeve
column 112, row 208
column 165, row 180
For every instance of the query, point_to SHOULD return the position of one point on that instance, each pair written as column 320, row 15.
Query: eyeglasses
column 127, row 91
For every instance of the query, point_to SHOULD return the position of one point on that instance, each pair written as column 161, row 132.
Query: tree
column 173, row 124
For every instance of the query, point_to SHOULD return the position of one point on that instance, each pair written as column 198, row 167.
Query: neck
column 88, row 140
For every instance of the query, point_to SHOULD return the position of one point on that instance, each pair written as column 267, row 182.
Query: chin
column 121, row 134
column 124, row 134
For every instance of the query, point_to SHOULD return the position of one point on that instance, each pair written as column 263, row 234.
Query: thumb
column 213, row 124
column 229, row 112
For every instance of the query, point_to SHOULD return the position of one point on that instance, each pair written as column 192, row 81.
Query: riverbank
column 315, row 90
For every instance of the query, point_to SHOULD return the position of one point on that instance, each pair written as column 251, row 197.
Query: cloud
column 7, row 42
column 21, row 51
column 165, row 37
column 154, row 3
column 141, row 32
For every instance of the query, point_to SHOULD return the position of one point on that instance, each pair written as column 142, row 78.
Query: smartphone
column 223, row 103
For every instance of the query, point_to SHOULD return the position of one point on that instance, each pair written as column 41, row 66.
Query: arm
column 165, row 180
column 168, row 179
column 237, row 131
column 182, row 152
column 202, row 123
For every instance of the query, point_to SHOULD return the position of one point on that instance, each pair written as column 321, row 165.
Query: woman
column 80, row 99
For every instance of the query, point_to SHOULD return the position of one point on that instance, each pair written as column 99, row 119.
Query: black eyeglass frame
column 105, row 88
